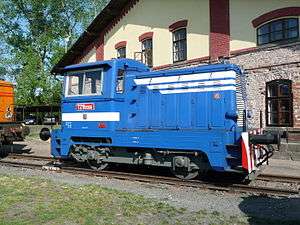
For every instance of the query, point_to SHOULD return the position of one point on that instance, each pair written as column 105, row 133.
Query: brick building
column 262, row 36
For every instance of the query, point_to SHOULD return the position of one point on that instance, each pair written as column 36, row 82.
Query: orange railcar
column 6, row 102
column 10, row 130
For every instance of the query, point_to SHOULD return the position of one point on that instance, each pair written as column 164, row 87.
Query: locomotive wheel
column 95, row 160
column 79, row 153
column 95, row 165
column 184, row 174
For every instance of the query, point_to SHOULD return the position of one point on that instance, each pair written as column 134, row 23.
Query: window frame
column 284, row 31
column 118, row 52
column 120, row 77
column 177, row 41
column 68, row 74
column 279, row 98
column 144, row 50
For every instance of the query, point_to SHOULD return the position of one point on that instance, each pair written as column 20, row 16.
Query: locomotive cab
column 189, row 120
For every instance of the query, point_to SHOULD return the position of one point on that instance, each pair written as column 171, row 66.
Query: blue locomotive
column 190, row 120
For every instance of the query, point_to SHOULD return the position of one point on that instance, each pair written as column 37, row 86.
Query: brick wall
column 219, row 36
column 100, row 47
column 266, row 65
column 296, row 93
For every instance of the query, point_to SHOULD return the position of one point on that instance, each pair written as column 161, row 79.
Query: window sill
column 282, row 126
column 278, row 44
column 180, row 62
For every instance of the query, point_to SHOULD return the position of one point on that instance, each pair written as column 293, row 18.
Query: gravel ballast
column 191, row 199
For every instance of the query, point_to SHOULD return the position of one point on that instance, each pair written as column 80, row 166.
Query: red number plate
column 85, row 106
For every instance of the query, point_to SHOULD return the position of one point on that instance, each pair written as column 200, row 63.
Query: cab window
column 120, row 81
column 75, row 84
column 92, row 83
column 85, row 83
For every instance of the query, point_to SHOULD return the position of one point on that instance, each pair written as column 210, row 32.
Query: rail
column 215, row 186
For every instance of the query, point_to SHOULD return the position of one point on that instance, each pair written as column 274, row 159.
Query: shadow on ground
column 15, row 148
column 271, row 210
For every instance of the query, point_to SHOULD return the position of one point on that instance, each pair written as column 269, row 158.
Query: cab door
column 217, row 113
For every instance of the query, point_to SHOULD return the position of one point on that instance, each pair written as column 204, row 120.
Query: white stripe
column 100, row 116
column 206, row 89
column 191, row 84
column 188, row 77
column 142, row 81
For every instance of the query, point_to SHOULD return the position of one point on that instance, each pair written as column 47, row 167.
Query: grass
column 25, row 201
column 33, row 136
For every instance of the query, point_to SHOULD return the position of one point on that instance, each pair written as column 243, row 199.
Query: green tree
column 34, row 35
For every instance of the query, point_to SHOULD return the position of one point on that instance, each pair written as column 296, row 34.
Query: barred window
column 279, row 100
column 179, row 45
column 147, row 56
column 278, row 30
column 121, row 52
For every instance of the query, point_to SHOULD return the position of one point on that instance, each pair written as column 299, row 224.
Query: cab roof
column 107, row 64
column 146, row 72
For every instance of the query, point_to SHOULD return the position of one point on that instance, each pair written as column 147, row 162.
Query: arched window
column 179, row 45
column 121, row 49
column 286, row 29
column 179, row 33
column 146, row 54
column 147, row 50
column 279, row 100
column 121, row 52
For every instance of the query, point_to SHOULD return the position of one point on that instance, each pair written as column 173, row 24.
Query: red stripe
column 177, row 25
column 278, row 13
column 244, row 155
column 145, row 36
column 121, row 44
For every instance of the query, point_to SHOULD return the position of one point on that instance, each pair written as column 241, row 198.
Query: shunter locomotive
column 190, row 120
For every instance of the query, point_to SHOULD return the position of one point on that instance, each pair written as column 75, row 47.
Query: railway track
column 215, row 186
column 278, row 178
column 190, row 183
column 30, row 157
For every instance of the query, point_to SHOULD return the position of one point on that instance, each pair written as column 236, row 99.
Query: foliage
column 34, row 34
